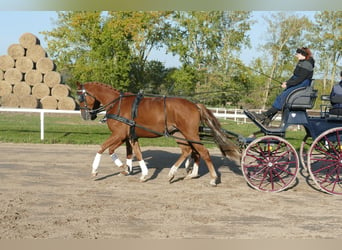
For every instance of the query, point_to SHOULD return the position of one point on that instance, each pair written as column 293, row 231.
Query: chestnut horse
column 154, row 117
column 190, row 166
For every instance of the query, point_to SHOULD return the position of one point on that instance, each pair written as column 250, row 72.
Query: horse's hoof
column 189, row 177
column 213, row 183
column 143, row 178
column 124, row 173
column 94, row 174
column 171, row 178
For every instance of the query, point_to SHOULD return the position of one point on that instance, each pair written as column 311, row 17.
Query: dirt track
column 46, row 192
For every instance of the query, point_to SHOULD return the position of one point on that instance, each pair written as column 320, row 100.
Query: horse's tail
column 224, row 141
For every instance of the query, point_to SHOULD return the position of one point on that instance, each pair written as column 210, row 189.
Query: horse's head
column 88, row 103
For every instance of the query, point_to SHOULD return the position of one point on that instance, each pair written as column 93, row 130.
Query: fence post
column 42, row 125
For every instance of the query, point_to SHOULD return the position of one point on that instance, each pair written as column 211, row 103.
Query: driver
column 302, row 77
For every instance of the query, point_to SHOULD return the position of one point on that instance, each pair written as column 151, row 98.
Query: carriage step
column 266, row 130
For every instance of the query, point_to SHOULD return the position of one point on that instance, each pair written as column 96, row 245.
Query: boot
column 266, row 117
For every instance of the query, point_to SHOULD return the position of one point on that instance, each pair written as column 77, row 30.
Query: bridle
column 82, row 94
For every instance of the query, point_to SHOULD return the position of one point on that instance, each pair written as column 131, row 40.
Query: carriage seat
column 333, row 113
column 302, row 98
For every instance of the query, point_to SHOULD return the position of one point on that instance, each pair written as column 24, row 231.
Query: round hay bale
column 6, row 62
column 5, row 88
column 16, row 51
column 66, row 103
column 52, row 78
column 10, row 100
column 21, row 89
column 33, row 77
column 1, row 75
column 40, row 90
column 45, row 65
column 49, row 102
column 60, row 90
column 28, row 101
column 24, row 64
column 13, row 75
column 27, row 40
column 36, row 52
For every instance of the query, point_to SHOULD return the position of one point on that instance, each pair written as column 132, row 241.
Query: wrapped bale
column 5, row 88
column 24, row 64
column 60, row 90
column 28, row 101
column 16, row 51
column 21, row 89
column 49, row 102
column 10, row 100
column 52, row 78
column 40, row 90
column 66, row 103
column 13, row 75
column 45, row 65
column 33, row 77
column 35, row 53
column 28, row 40
column 6, row 62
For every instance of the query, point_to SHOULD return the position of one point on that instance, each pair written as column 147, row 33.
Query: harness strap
column 134, row 113
column 166, row 132
column 132, row 123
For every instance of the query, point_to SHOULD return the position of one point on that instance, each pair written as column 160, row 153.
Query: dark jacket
column 303, row 71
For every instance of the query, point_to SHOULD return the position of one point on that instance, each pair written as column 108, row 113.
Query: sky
column 15, row 23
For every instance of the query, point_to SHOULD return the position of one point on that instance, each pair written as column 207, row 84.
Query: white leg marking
column 173, row 171
column 96, row 163
column 129, row 163
column 144, row 170
column 116, row 160
column 194, row 172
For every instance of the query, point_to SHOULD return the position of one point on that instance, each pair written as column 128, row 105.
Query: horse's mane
column 106, row 86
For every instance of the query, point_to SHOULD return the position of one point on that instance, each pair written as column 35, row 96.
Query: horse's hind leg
column 185, row 152
column 204, row 153
column 199, row 151
column 196, row 160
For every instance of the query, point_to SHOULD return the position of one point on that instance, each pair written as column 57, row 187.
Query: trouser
column 281, row 98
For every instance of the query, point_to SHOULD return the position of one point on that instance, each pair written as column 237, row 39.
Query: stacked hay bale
column 28, row 78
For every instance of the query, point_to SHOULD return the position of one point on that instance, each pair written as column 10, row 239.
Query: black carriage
column 270, row 163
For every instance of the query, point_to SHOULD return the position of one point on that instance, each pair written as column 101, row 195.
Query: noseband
column 82, row 94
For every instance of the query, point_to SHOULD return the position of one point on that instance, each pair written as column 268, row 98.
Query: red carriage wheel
column 270, row 164
column 325, row 161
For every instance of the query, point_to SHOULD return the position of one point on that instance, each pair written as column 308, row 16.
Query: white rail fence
column 233, row 114
column 42, row 114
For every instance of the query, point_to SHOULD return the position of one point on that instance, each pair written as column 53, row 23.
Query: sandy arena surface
column 47, row 192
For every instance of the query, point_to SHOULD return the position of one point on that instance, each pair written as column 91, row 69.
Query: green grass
column 71, row 129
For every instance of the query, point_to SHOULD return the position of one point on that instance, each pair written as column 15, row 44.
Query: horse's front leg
column 142, row 164
column 129, row 156
column 112, row 142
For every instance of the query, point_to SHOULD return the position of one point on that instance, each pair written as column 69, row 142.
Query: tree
column 110, row 47
column 209, row 42
column 327, row 41
column 285, row 33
